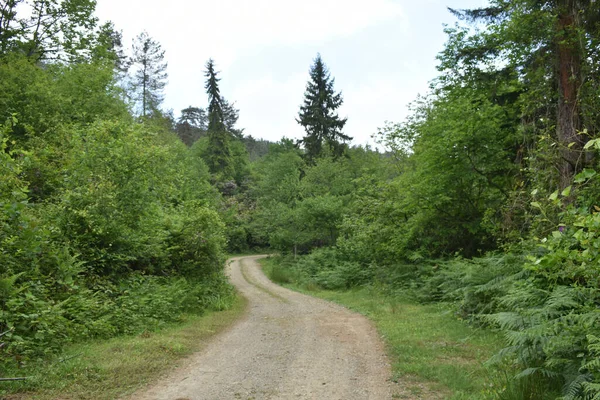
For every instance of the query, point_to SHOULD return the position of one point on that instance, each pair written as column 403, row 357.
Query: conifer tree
column 192, row 125
column 218, row 153
column 150, row 77
column 317, row 115
column 109, row 46
column 230, row 118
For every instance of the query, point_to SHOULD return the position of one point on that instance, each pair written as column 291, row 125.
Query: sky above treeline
column 382, row 54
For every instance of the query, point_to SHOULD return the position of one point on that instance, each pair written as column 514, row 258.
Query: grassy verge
column 431, row 351
column 117, row 367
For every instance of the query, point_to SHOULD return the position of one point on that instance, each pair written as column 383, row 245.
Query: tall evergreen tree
column 150, row 77
column 218, row 153
column 317, row 114
column 215, row 106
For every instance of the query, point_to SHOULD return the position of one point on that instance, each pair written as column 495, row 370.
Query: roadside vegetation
column 485, row 202
column 110, row 226
column 434, row 352
column 110, row 369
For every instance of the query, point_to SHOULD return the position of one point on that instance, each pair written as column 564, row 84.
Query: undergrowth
column 109, row 369
column 437, row 295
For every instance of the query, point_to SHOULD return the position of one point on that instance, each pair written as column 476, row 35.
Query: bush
column 123, row 239
column 39, row 325
column 321, row 268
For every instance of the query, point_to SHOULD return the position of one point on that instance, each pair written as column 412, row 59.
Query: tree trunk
column 569, row 81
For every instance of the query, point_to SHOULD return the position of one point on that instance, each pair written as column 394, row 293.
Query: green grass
column 426, row 341
column 431, row 350
column 117, row 367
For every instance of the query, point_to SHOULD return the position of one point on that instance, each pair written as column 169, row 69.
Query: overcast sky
column 380, row 52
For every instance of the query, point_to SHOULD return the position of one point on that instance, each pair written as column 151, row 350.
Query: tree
column 109, row 46
column 218, row 153
column 552, row 44
column 215, row 106
column 317, row 115
column 150, row 75
column 51, row 29
column 9, row 29
column 192, row 124
column 230, row 118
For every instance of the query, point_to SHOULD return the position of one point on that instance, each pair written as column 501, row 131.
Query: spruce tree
column 150, row 77
column 218, row 153
column 317, row 115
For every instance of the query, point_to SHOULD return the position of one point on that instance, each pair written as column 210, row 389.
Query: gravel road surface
column 288, row 346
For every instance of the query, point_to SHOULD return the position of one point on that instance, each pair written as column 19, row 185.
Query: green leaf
column 585, row 175
column 593, row 142
column 566, row 192
column 553, row 196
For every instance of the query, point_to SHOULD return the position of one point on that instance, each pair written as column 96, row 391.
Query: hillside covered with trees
column 117, row 216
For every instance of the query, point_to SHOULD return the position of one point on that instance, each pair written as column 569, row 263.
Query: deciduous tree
column 553, row 47
column 46, row 30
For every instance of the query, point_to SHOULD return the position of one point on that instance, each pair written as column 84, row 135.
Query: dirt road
column 288, row 346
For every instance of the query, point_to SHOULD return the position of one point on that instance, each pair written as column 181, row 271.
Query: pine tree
column 317, row 115
column 218, row 153
column 150, row 75
column 191, row 125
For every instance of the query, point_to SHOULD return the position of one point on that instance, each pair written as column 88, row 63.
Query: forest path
column 288, row 346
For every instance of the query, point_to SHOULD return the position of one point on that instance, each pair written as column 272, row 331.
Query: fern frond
column 591, row 390
column 563, row 298
column 507, row 320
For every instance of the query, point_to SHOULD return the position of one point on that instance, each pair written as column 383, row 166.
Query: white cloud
column 225, row 29
column 381, row 53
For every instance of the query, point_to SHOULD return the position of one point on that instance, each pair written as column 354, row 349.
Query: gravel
column 287, row 346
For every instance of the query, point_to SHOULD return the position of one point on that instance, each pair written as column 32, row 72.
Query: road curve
column 288, row 346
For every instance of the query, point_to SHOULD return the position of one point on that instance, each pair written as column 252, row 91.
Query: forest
column 117, row 217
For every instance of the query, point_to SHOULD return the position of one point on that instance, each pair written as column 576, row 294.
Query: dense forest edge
column 117, row 216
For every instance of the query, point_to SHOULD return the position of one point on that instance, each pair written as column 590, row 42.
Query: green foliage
column 318, row 115
column 196, row 241
column 150, row 74
column 107, row 227
column 44, row 99
column 39, row 325
column 323, row 268
column 225, row 156
column 45, row 31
